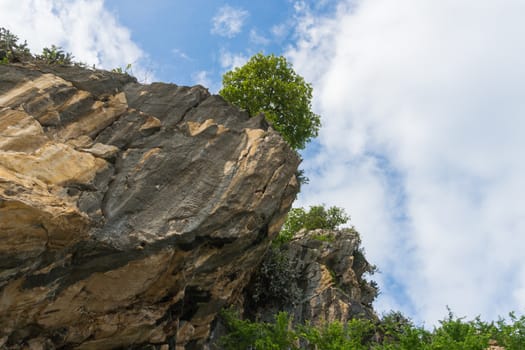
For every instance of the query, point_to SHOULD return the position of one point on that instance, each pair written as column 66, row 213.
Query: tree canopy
column 268, row 84
column 318, row 216
column 393, row 332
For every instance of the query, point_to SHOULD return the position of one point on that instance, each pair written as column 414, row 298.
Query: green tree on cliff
column 268, row 84
column 318, row 216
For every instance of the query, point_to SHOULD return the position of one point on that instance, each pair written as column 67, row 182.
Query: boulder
column 130, row 214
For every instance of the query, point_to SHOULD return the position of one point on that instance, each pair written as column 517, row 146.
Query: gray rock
column 323, row 281
column 129, row 214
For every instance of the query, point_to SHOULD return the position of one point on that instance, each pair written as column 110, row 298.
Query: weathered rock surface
column 129, row 213
column 325, row 272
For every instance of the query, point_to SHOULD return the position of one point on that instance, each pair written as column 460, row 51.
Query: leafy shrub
column 355, row 334
column 317, row 217
column 258, row 335
column 393, row 332
column 268, row 84
column 10, row 49
column 275, row 281
column 511, row 335
column 121, row 70
column 55, row 55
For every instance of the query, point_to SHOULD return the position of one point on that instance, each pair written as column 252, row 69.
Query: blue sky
column 198, row 43
column 422, row 104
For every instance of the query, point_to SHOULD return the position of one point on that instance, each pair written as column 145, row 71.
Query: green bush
column 55, row 55
column 11, row 50
column 274, row 282
column 355, row 334
column 317, row 217
column 121, row 70
column 511, row 335
column 393, row 332
column 269, row 85
column 258, row 335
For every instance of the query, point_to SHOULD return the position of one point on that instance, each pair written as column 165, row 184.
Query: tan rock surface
column 129, row 214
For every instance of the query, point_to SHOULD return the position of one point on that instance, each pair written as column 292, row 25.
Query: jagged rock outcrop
column 322, row 278
column 129, row 214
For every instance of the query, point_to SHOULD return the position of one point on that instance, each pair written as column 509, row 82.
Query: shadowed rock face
column 129, row 213
column 325, row 272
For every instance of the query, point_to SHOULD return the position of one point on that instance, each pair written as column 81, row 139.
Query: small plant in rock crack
column 121, row 70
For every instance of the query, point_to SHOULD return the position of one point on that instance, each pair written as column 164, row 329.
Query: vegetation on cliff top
column 269, row 85
column 317, row 217
column 12, row 51
column 275, row 283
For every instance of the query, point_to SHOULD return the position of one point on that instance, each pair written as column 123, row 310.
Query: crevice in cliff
column 115, row 120
column 261, row 236
column 86, row 259
column 186, row 308
column 19, row 336
column 179, row 124
column 215, row 242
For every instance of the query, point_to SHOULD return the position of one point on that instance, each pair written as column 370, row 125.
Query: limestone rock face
column 325, row 271
column 129, row 214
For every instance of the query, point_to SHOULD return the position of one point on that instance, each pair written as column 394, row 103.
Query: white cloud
column 205, row 79
column 229, row 60
column 83, row 27
column 422, row 141
column 257, row 38
column 280, row 30
column 181, row 54
column 202, row 77
column 228, row 21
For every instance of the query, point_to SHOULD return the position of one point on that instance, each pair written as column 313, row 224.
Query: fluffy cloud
column 258, row 39
column 279, row 31
column 203, row 78
column 422, row 141
column 228, row 21
column 83, row 27
column 179, row 54
column 229, row 60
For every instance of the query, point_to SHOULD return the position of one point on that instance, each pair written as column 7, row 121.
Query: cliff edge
column 129, row 214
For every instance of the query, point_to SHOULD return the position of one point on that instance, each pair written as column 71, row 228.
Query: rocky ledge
column 319, row 276
column 129, row 214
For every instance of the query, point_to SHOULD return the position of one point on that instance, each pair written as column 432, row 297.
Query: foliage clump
column 269, row 85
column 121, row 70
column 274, row 282
column 393, row 332
column 12, row 51
column 243, row 334
column 55, row 55
column 317, row 217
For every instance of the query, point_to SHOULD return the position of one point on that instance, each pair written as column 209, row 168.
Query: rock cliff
column 321, row 272
column 129, row 214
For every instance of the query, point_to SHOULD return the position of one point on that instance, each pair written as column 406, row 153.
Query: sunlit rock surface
column 129, row 214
